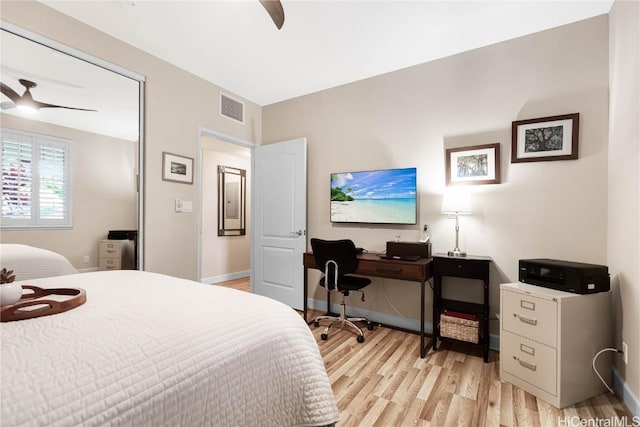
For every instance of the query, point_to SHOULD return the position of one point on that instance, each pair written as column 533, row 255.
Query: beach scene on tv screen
column 381, row 196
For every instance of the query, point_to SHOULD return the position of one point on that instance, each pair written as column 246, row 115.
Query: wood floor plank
column 492, row 406
column 383, row 382
column 460, row 412
column 506, row 405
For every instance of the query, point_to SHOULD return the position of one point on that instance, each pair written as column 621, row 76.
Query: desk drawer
column 392, row 270
column 465, row 268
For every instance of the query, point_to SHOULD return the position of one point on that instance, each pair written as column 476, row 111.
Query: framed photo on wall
column 544, row 139
column 177, row 168
column 479, row 164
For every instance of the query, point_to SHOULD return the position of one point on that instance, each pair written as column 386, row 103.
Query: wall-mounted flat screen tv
column 386, row 196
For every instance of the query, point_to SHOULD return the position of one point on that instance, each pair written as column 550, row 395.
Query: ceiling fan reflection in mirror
column 26, row 103
column 275, row 11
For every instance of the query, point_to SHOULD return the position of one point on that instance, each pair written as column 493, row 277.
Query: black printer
column 567, row 276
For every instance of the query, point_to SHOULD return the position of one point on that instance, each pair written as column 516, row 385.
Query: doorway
column 221, row 256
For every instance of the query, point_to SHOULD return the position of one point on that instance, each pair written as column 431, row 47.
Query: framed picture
column 177, row 168
column 479, row 164
column 544, row 139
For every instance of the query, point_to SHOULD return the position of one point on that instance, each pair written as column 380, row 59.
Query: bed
column 153, row 350
column 29, row 262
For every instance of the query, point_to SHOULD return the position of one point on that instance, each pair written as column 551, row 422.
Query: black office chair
column 338, row 258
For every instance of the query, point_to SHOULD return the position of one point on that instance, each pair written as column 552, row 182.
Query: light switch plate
column 179, row 205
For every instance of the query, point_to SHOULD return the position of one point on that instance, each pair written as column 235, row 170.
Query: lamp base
column 457, row 253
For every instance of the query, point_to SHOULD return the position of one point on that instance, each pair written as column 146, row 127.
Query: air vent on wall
column 231, row 108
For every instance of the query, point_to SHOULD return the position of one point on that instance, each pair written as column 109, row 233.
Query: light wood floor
column 384, row 382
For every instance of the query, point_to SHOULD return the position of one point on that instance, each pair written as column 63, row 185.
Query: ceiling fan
column 275, row 11
column 26, row 101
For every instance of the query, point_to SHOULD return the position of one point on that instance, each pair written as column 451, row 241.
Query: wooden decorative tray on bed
column 34, row 304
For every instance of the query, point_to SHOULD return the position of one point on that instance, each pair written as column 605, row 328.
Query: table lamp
column 455, row 204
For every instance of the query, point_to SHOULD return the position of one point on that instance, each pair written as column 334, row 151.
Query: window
column 36, row 188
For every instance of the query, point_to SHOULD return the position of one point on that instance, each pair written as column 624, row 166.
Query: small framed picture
column 177, row 168
column 544, row 139
column 479, row 164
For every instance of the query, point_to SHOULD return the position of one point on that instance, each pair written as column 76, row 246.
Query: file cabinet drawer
column 530, row 361
column 530, row 316
column 111, row 248
column 110, row 264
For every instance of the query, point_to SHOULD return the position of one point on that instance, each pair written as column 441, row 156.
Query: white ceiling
column 322, row 44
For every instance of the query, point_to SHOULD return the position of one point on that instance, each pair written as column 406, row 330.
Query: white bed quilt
column 29, row 262
column 148, row 349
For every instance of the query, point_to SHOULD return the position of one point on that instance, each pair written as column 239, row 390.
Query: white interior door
column 280, row 220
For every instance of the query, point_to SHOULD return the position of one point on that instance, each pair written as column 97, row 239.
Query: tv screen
column 386, row 196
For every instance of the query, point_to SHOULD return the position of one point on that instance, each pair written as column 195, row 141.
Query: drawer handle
column 527, row 365
column 526, row 320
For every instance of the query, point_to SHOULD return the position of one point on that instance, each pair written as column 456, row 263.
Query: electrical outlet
column 625, row 352
column 86, row 258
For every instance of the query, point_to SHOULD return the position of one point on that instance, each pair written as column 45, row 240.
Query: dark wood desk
column 373, row 266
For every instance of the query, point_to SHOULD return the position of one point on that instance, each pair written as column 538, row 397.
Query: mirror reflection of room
column 91, row 187
column 231, row 201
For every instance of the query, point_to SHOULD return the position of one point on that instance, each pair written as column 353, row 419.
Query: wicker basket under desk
column 459, row 328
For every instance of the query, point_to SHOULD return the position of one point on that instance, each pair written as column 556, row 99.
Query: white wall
column 623, row 243
column 104, row 193
column 223, row 257
column 407, row 118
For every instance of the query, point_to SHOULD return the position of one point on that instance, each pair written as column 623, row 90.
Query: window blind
column 35, row 181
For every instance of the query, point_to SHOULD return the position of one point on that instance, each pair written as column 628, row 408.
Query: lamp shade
column 456, row 203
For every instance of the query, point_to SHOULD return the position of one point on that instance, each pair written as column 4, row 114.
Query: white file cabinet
column 548, row 339
column 117, row 255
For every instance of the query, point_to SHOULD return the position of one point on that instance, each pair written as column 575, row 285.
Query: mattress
column 153, row 350
column 28, row 262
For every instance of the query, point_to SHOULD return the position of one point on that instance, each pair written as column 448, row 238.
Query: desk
column 373, row 266
column 471, row 267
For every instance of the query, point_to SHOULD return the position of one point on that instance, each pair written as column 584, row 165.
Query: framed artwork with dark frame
column 545, row 139
column 479, row 164
column 177, row 168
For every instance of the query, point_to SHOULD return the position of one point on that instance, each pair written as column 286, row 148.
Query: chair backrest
column 342, row 252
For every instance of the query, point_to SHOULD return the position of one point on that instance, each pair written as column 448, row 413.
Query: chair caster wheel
column 316, row 324
column 370, row 326
column 324, row 337
column 360, row 338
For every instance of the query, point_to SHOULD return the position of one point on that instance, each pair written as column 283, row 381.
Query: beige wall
column 223, row 257
column 104, row 193
column 177, row 104
column 623, row 254
column 407, row 118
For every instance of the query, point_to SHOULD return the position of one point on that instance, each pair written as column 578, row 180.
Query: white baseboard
column 88, row 270
column 225, row 277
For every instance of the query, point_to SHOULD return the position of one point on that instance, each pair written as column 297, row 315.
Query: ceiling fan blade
column 275, row 10
column 10, row 93
column 7, row 105
column 45, row 105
